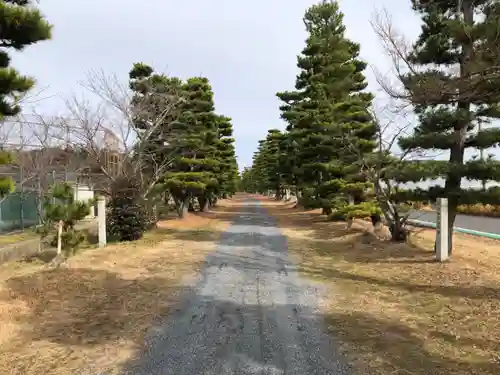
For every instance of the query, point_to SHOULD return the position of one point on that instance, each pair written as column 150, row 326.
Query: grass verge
column 92, row 315
column 395, row 310
column 10, row 238
column 478, row 209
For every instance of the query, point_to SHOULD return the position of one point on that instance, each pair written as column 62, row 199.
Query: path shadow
column 213, row 334
column 80, row 306
column 352, row 250
column 472, row 292
column 81, row 309
column 397, row 348
column 397, row 275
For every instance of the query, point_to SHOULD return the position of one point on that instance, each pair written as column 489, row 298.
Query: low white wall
column 84, row 193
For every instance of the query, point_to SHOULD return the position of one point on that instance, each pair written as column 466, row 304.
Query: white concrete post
column 59, row 237
column 101, row 220
column 442, row 230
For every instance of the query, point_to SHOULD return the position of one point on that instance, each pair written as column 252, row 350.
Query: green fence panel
column 18, row 210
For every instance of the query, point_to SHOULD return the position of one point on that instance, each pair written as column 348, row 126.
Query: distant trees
column 204, row 164
column 329, row 125
column 193, row 170
column 337, row 156
column 170, row 142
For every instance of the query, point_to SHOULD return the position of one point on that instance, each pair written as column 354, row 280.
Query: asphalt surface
column 250, row 313
column 479, row 223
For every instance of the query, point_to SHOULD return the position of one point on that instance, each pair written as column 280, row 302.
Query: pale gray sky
column 247, row 49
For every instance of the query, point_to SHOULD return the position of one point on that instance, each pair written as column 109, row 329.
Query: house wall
column 84, row 193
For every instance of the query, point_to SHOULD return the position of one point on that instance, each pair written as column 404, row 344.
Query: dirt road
column 250, row 313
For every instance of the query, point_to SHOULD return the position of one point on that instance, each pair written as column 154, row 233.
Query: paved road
column 482, row 224
column 249, row 314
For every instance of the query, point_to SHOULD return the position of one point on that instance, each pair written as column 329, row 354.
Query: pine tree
column 328, row 121
column 20, row 25
column 156, row 97
column 209, row 163
column 61, row 206
column 269, row 167
column 259, row 172
column 248, row 183
column 272, row 162
column 228, row 167
column 191, row 172
column 452, row 105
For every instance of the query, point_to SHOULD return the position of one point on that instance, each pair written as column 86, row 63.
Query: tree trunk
column 298, row 194
column 182, row 207
column 204, row 203
column 287, row 195
column 351, row 200
column 326, row 211
column 191, row 206
column 278, row 194
column 376, row 219
column 452, row 214
column 454, row 179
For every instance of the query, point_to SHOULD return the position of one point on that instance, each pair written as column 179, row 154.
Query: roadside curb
column 427, row 224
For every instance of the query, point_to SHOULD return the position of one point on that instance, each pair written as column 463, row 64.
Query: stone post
column 442, row 239
column 101, row 220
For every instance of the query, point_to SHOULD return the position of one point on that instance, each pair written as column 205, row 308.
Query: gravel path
column 250, row 313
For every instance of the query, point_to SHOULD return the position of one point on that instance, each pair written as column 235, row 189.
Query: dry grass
column 11, row 238
column 94, row 312
column 480, row 210
column 477, row 209
column 393, row 308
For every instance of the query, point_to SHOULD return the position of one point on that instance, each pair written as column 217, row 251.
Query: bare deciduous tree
column 114, row 144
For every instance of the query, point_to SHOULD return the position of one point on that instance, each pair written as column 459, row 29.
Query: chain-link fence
column 19, row 210
column 24, row 207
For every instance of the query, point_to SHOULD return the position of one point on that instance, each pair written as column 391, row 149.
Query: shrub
column 126, row 217
column 62, row 206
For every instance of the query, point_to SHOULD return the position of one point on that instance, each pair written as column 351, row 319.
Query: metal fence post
column 21, row 198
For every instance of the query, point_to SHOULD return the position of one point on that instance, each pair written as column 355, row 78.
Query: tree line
column 342, row 154
column 153, row 141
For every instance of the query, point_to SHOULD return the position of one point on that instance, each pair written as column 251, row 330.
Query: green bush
column 357, row 211
column 62, row 206
column 126, row 215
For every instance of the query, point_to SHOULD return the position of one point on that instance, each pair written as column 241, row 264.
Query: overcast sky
column 247, row 49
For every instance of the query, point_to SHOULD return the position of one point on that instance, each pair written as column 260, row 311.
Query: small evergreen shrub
column 61, row 205
column 126, row 215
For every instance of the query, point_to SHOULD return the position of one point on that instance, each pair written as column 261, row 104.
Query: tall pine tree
column 328, row 121
column 192, row 171
column 228, row 167
column 451, row 104
column 20, row 25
